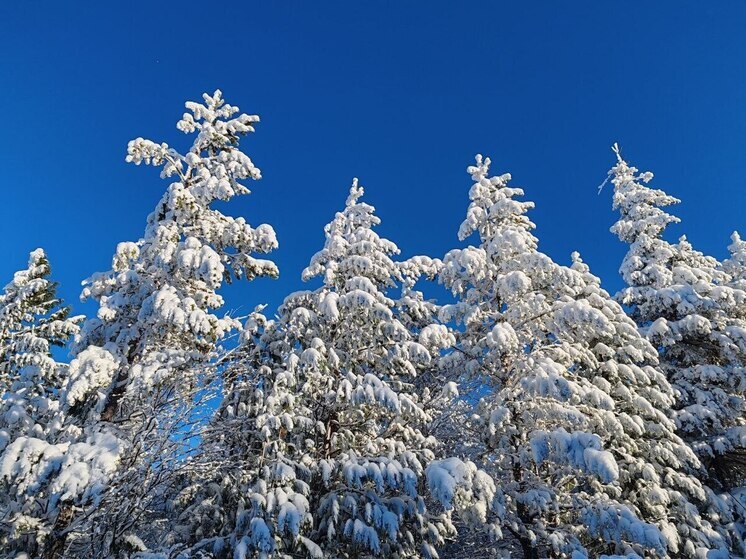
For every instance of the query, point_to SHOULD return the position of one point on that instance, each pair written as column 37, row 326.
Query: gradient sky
column 401, row 94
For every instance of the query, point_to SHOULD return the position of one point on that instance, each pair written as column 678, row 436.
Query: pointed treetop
column 639, row 205
column 356, row 213
column 481, row 169
column 214, row 164
column 577, row 261
column 356, row 193
column 352, row 248
column 29, row 291
column 32, row 319
column 38, row 265
column 737, row 245
column 37, row 255
column 494, row 211
column 736, row 264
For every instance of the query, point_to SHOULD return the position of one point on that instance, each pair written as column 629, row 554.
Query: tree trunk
column 529, row 551
column 58, row 538
column 528, row 548
column 55, row 546
column 112, row 401
column 331, row 428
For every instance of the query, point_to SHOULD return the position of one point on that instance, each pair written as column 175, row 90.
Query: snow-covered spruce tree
column 32, row 321
column 575, row 421
column 323, row 436
column 735, row 265
column 732, row 464
column 137, row 363
column 693, row 310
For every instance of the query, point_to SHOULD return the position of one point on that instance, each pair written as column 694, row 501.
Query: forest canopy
column 531, row 414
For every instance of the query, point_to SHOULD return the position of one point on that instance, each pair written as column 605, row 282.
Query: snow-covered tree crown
column 735, row 266
column 32, row 320
column 492, row 203
column 170, row 277
column 210, row 171
column 691, row 308
column 650, row 260
column 31, row 297
column 329, row 423
column 640, row 206
column 215, row 150
column 353, row 248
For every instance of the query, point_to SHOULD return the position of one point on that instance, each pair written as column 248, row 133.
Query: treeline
column 533, row 416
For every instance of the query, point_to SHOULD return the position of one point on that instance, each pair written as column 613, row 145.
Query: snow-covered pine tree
column 575, row 421
column 137, row 363
column 157, row 304
column 325, row 426
column 732, row 469
column 735, row 265
column 33, row 320
column 693, row 310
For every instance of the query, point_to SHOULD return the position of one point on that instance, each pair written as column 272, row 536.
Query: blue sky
column 401, row 94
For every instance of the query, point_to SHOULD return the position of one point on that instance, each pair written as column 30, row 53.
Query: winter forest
column 529, row 414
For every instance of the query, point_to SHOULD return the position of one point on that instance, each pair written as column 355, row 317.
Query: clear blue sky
column 401, row 94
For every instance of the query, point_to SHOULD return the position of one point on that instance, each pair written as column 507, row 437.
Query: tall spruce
column 138, row 363
column 33, row 320
column 325, row 426
column 692, row 309
column 574, row 415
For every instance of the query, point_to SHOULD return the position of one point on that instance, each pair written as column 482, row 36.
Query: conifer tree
column 735, row 266
column 33, row 320
column 693, row 310
column 137, row 363
column 327, row 424
column 574, row 417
